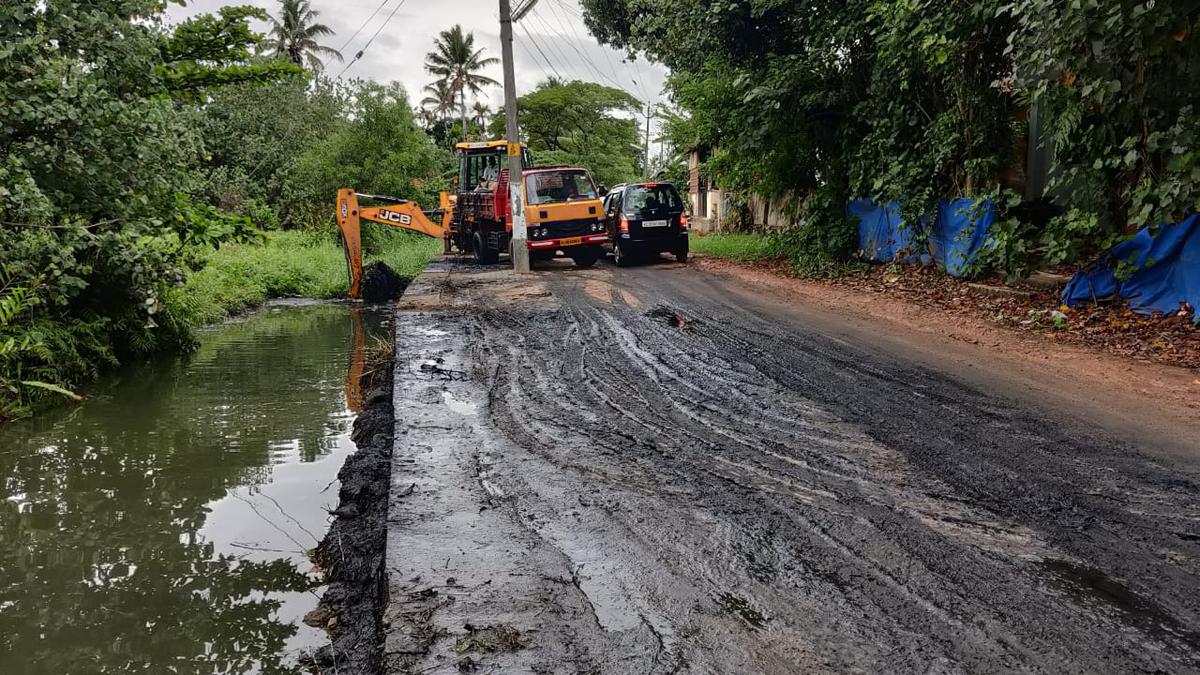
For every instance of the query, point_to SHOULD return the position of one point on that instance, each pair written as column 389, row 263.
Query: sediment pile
column 352, row 552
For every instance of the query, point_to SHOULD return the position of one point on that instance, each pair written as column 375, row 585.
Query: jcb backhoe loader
column 562, row 207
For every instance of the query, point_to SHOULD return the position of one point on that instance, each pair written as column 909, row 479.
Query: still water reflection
column 163, row 525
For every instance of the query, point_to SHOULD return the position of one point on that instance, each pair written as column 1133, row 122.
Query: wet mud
column 660, row 473
column 352, row 552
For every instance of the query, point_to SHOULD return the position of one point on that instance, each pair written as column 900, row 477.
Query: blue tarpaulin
column 880, row 235
column 1165, row 271
column 960, row 231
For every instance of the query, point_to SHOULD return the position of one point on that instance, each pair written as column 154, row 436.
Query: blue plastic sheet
column 1166, row 271
column 881, row 236
column 960, row 230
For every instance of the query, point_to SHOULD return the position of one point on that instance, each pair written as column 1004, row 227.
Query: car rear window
column 551, row 187
column 640, row 198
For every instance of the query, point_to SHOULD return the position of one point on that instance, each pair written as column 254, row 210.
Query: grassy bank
column 290, row 264
column 735, row 246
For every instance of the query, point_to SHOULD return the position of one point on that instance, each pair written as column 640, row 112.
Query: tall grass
column 736, row 246
column 289, row 264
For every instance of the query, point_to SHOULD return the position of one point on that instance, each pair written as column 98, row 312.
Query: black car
column 645, row 218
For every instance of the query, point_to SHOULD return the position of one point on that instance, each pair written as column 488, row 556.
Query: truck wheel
column 484, row 255
column 586, row 258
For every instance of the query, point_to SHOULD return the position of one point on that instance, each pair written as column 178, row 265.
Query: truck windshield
column 640, row 198
column 550, row 187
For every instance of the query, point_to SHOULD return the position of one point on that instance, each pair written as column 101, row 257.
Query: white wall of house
column 709, row 204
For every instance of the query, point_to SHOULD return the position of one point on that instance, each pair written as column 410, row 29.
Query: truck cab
column 562, row 207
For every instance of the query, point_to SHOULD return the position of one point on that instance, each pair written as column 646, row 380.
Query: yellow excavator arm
column 399, row 213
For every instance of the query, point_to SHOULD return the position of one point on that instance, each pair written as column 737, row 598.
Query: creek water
column 163, row 525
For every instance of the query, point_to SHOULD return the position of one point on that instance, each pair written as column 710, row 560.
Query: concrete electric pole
column 649, row 114
column 516, row 181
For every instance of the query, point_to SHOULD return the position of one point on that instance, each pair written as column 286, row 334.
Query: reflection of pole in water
column 358, row 359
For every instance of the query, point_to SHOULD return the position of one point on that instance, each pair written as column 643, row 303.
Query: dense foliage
column 131, row 149
column 581, row 124
column 816, row 102
column 97, row 138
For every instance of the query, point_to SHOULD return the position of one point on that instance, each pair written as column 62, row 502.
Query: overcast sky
column 556, row 26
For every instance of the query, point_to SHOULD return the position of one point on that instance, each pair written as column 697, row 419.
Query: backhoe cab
column 562, row 212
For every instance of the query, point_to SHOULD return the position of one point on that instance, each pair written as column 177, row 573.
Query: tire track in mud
column 711, row 463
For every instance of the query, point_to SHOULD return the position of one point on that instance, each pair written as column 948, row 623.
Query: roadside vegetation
column 743, row 247
column 300, row 264
column 813, row 104
column 154, row 177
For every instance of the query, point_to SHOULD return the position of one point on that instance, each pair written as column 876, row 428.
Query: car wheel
column 620, row 254
column 681, row 256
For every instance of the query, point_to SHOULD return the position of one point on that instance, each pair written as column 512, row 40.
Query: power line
column 364, row 25
column 612, row 68
column 364, row 49
column 587, row 61
column 551, row 44
column 534, row 59
column 641, row 92
column 568, row 10
column 539, row 49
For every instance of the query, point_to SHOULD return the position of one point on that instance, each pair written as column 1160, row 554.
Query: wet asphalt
column 654, row 470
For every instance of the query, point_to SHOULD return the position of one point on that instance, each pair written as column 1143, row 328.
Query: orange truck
column 562, row 210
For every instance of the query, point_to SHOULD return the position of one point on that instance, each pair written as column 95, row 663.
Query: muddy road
column 655, row 470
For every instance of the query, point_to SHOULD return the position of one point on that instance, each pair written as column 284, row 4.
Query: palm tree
column 294, row 35
column 481, row 114
column 455, row 61
column 440, row 100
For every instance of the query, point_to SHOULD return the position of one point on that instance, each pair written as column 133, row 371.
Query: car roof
column 562, row 167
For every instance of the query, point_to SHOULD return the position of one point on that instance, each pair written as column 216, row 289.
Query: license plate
column 573, row 241
column 656, row 223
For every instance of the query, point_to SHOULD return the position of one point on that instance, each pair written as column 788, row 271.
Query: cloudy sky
column 398, row 53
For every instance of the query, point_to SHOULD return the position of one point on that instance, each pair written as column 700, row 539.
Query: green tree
column 1115, row 82
column 457, row 63
column 295, row 34
column 821, row 101
column 379, row 148
column 98, row 139
column 439, row 99
column 481, row 116
column 584, row 124
column 255, row 137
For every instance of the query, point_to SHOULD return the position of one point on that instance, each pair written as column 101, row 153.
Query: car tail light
column 683, row 222
column 623, row 225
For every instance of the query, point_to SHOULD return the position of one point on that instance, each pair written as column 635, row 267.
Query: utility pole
column 516, row 172
column 646, row 169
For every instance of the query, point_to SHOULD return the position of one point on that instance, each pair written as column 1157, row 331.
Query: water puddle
column 164, row 525
column 458, row 405
column 1093, row 587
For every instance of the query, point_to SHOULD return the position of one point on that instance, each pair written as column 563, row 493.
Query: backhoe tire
column 484, row 255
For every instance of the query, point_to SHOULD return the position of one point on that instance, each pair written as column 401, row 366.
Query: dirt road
column 657, row 470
